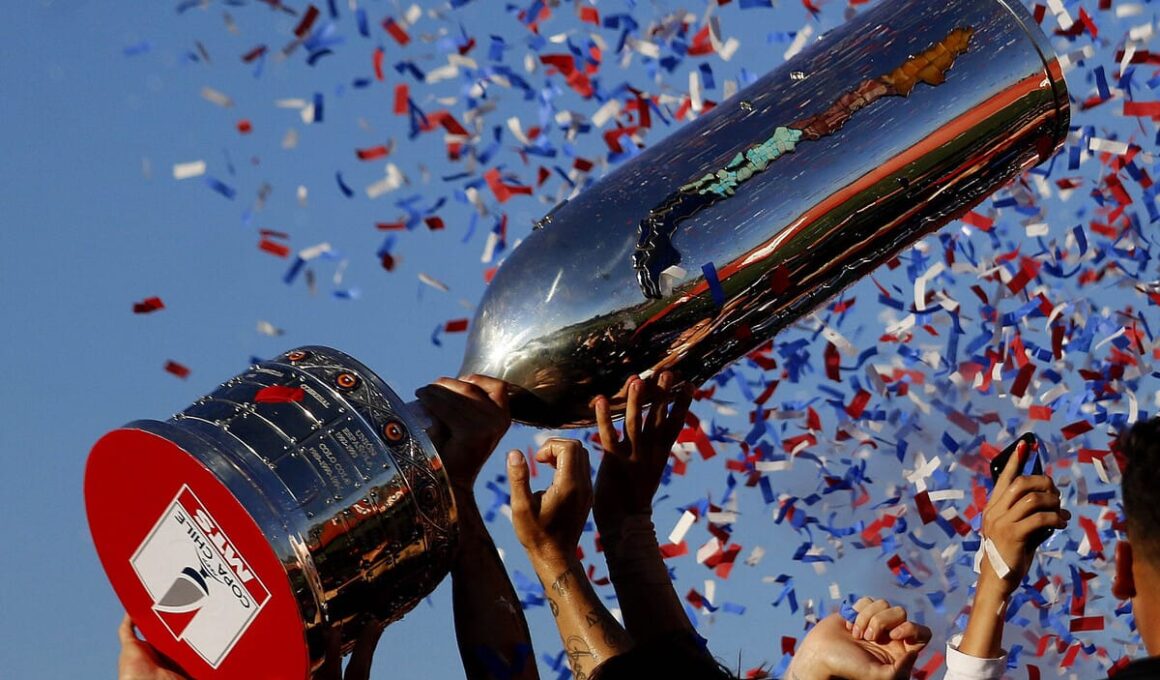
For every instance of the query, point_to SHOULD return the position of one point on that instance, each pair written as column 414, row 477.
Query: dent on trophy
column 264, row 523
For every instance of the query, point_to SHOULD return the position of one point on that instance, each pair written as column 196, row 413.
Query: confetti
column 279, row 394
column 852, row 446
column 148, row 305
column 176, row 369
column 188, row 170
column 214, row 97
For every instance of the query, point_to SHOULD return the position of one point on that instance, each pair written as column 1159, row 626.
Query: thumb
column 518, row 478
column 905, row 664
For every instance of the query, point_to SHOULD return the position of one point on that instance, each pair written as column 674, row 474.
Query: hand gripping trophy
column 304, row 494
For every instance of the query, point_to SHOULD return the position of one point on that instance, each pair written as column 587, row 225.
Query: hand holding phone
column 1024, row 506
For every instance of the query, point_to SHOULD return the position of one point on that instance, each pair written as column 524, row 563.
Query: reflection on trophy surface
column 271, row 519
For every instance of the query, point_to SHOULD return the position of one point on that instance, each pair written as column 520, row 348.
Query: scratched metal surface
column 568, row 316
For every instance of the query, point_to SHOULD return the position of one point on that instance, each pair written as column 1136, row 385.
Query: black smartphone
column 999, row 462
column 1032, row 466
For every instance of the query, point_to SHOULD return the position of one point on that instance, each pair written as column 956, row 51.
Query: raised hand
column 474, row 415
column 880, row 644
column 1018, row 509
column 549, row 523
column 633, row 464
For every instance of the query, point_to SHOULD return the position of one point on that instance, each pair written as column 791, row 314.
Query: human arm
column 1018, row 508
column 627, row 480
column 490, row 628
column 880, row 644
column 493, row 636
column 549, row 524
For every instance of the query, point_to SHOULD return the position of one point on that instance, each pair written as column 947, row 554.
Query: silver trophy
column 685, row 258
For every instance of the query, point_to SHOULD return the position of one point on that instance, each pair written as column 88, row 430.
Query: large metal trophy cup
column 303, row 495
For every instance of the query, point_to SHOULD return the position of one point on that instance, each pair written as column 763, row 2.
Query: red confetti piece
column 148, row 305
column 176, row 369
column 396, row 31
column 669, row 550
column 307, row 22
column 1148, row 109
column 926, row 509
column 279, row 394
column 1076, row 429
column 372, row 153
column 378, row 64
column 274, row 248
column 832, row 359
column 1093, row 535
column 402, row 94
column 455, row 326
column 978, row 221
column 254, row 54
column 725, row 563
column 502, row 190
column 1019, row 387
column 858, row 404
column 245, row 127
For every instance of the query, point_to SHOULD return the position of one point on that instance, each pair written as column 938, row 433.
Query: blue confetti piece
column 317, row 107
column 220, row 187
column 346, row 190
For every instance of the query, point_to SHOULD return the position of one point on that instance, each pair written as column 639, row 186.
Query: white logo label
column 203, row 590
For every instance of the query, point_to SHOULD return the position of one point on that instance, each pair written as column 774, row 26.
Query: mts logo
column 203, row 590
column 219, row 539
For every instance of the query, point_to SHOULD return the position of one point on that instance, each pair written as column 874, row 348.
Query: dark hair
column 1141, row 487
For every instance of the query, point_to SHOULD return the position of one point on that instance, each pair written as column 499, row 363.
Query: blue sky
column 102, row 101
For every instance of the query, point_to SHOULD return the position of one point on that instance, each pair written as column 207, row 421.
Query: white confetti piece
column 921, row 282
column 1097, row 145
column 433, row 282
column 267, row 328
column 683, row 525
column 215, row 97
column 947, row 495
column 188, row 170
column 799, row 42
column 711, row 548
column 697, row 103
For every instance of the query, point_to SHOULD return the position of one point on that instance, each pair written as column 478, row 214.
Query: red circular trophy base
column 190, row 565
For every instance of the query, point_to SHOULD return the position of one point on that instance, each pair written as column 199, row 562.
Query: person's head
column 1138, row 558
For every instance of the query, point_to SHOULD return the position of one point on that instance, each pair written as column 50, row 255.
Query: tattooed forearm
column 614, row 635
column 589, row 632
column 561, row 584
column 578, row 651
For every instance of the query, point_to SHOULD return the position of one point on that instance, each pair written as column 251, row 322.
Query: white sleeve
column 965, row 667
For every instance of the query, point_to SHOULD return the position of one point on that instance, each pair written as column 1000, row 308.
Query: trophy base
column 300, row 501
column 193, row 569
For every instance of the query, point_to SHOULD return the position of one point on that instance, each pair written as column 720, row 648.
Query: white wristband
column 993, row 556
